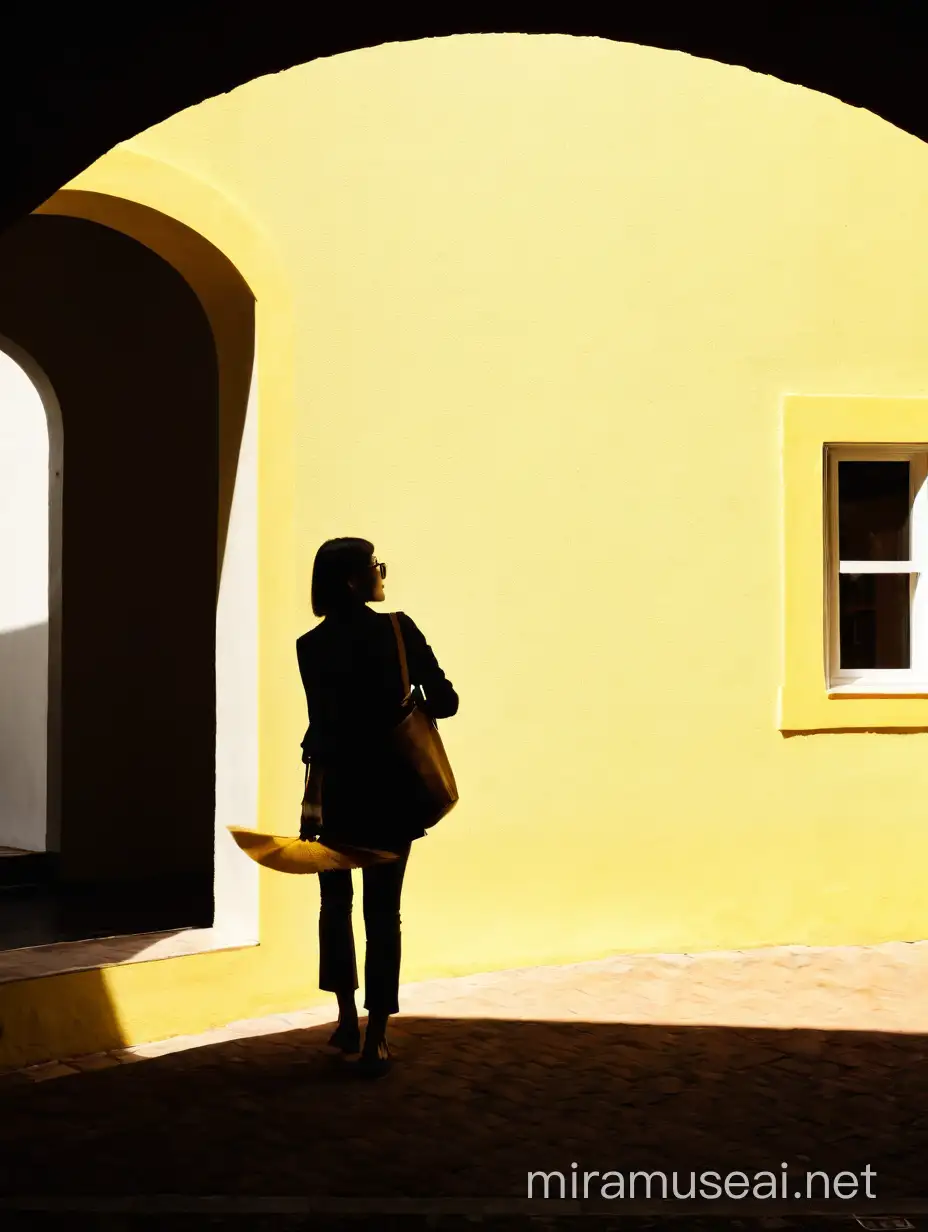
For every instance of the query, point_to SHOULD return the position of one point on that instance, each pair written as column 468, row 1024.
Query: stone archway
column 141, row 350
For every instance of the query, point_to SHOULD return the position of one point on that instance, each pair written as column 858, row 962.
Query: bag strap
column 401, row 647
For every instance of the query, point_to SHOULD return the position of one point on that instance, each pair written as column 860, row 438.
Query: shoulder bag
column 417, row 743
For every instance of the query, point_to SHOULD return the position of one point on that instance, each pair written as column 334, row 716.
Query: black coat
column 350, row 670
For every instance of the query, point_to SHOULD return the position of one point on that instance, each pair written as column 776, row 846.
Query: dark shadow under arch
column 88, row 79
column 128, row 349
column 224, row 296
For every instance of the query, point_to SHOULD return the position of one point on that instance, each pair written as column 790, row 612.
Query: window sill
column 857, row 688
column 803, row 709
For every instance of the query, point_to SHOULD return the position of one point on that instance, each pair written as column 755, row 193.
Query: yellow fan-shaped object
column 287, row 854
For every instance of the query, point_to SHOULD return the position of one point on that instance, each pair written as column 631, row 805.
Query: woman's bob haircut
column 338, row 562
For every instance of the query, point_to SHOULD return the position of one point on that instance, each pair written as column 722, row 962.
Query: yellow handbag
column 289, row 854
column 286, row 854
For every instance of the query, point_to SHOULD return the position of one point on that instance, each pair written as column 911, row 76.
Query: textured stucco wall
column 549, row 294
column 534, row 305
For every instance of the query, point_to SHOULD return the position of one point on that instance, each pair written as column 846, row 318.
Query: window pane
column 874, row 615
column 873, row 510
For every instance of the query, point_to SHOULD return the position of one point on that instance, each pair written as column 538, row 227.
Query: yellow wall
column 547, row 295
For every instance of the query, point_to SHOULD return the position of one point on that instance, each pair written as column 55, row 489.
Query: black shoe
column 375, row 1064
column 346, row 1038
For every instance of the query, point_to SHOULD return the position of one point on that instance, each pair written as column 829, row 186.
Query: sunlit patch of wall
column 542, row 298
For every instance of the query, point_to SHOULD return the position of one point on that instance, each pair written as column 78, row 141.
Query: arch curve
column 227, row 265
column 219, row 251
column 137, row 74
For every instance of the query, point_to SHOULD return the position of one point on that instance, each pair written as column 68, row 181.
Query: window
column 854, row 648
column 875, row 539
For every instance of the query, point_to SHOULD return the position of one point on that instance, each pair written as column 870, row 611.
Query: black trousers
column 338, row 967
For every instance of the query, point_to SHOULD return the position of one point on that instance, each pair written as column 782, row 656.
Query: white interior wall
column 24, row 605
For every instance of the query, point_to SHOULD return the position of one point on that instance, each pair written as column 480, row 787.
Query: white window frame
column 881, row 681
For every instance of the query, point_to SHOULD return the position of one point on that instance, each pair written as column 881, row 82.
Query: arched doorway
column 129, row 349
column 31, row 458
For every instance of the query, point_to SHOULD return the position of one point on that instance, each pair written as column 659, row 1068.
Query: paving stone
column 50, row 1069
column 799, row 1051
column 160, row 1048
column 94, row 1061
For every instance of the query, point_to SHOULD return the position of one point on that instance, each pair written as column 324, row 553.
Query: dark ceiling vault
column 75, row 79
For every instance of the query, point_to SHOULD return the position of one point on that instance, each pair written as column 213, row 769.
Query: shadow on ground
column 472, row 1106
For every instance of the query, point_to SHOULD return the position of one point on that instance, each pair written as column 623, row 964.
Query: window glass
column 874, row 619
column 873, row 510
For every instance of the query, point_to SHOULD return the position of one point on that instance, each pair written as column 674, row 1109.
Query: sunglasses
column 379, row 565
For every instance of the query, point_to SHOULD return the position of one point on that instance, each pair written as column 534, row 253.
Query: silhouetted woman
column 350, row 669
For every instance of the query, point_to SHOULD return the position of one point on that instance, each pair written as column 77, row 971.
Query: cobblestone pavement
column 720, row 1062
